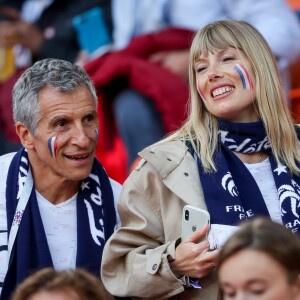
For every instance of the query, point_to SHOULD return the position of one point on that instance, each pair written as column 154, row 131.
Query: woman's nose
column 214, row 73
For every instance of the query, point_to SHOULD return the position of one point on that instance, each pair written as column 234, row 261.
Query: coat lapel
column 178, row 170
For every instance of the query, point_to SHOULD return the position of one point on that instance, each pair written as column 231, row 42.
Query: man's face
column 64, row 144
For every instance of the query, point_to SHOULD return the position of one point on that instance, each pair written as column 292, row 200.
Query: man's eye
column 89, row 118
column 61, row 123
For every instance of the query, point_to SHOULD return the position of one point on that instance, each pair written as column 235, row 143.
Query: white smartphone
column 192, row 219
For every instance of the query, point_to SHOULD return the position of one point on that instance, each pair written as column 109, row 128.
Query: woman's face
column 225, row 82
column 252, row 274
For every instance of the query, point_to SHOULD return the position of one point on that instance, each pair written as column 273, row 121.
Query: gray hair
column 62, row 75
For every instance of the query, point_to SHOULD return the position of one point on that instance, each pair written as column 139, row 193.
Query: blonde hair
column 201, row 127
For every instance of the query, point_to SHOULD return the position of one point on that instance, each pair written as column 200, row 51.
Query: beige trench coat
column 135, row 260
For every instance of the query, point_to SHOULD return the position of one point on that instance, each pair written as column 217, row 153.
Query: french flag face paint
column 52, row 145
column 199, row 91
column 245, row 78
column 97, row 133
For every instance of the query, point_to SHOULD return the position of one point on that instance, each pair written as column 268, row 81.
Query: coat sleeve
column 135, row 259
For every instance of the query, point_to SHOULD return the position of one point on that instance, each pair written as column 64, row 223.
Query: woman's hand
column 194, row 259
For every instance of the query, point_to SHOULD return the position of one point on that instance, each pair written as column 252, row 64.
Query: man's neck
column 54, row 188
column 57, row 192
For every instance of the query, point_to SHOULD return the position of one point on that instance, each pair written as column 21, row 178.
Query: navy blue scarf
column 96, row 220
column 231, row 193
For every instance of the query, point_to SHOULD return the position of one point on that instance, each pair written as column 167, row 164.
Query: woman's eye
column 258, row 291
column 228, row 295
column 200, row 69
column 228, row 58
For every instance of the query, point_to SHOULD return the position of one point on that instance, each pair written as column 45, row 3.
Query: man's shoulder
column 5, row 161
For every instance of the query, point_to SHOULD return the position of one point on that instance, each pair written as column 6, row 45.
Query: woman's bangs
column 212, row 40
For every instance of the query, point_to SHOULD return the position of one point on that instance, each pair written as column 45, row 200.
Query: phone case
column 92, row 33
column 192, row 219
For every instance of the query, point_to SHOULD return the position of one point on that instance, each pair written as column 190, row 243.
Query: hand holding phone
column 193, row 218
column 193, row 260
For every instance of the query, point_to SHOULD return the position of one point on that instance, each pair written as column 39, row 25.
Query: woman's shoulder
column 163, row 157
column 165, row 151
column 166, row 147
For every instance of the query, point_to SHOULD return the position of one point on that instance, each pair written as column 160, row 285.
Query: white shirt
column 262, row 174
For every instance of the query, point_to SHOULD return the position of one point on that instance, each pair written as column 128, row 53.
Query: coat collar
column 177, row 169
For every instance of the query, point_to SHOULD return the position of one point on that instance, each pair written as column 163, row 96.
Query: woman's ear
column 25, row 136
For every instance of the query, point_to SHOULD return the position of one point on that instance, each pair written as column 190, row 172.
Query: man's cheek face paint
column 199, row 91
column 245, row 78
column 52, row 145
column 97, row 133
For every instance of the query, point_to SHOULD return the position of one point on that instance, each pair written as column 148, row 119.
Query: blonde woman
column 237, row 156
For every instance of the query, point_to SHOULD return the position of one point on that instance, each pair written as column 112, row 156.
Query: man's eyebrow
column 91, row 112
column 58, row 118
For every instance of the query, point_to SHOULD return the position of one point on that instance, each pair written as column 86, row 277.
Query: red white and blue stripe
column 97, row 133
column 52, row 145
column 244, row 75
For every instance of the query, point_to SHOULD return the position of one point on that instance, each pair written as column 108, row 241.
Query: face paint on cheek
column 244, row 75
column 199, row 91
column 52, row 145
column 97, row 133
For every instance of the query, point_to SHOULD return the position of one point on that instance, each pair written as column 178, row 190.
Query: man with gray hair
column 57, row 204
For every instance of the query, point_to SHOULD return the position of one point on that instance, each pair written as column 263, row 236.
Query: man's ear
column 26, row 138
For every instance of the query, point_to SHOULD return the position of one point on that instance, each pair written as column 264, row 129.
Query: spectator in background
column 61, row 285
column 36, row 30
column 260, row 261
column 151, row 99
column 57, row 204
